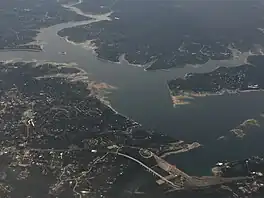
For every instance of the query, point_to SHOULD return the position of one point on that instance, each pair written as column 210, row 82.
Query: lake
column 144, row 97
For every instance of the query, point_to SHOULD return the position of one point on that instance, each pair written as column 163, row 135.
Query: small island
column 241, row 130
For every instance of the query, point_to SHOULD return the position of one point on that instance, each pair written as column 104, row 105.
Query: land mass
column 58, row 135
column 247, row 77
column 56, row 131
column 172, row 33
column 21, row 21
column 58, row 138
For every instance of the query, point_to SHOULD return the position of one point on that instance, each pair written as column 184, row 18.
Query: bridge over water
column 184, row 180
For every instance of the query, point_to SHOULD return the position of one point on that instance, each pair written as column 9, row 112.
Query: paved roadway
column 149, row 169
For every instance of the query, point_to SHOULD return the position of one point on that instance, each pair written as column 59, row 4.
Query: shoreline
column 96, row 18
column 190, row 147
column 88, row 45
column 106, row 16
column 25, row 50
column 93, row 19
column 98, row 89
column 72, row 7
column 180, row 99
column 107, row 104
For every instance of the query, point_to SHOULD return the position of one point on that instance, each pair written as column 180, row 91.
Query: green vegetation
column 250, row 122
column 241, row 130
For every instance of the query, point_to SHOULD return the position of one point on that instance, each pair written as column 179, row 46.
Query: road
column 148, row 169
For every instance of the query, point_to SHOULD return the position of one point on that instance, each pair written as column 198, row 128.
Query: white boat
column 256, row 86
column 62, row 53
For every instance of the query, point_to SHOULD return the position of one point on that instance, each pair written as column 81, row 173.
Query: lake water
column 143, row 96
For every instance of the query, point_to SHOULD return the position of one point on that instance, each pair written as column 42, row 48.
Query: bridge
column 183, row 181
column 148, row 169
column 194, row 181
